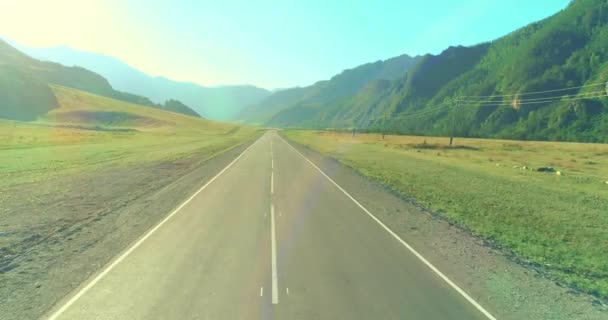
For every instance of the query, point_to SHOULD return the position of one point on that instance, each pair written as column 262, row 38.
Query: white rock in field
column 559, row 173
column 605, row 182
column 525, row 168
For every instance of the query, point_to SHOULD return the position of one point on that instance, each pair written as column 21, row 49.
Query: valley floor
column 72, row 199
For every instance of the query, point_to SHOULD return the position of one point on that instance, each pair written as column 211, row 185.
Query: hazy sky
column 272, row 43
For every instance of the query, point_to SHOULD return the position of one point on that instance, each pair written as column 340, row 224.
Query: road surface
column 270, row 237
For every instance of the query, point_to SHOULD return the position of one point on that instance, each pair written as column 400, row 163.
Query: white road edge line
column 273, row 240
column 109, row 268
column 405, row 244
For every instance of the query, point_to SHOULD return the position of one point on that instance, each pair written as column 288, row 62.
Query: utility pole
column 384, row 127
column 454, row 121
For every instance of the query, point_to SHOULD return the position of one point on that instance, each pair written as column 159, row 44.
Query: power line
column 519, row 102
column 445, row 106
column 471, row 101
column 538, row 92
column 541, row 99
column 540, row 102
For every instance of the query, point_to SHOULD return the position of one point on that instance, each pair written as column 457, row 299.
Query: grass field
column 555, row 223
column 90, row 131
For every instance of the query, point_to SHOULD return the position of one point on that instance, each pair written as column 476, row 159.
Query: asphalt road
column 271, row 237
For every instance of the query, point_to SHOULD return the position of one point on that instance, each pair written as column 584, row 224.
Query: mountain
column 345, row 84
column 23, row 96
column 26, row 94
column 344, row 113
column 569, row 49
column 264, row 110
column 407, row 89
column 219, row 103
column 179, row 107
column 496, row 89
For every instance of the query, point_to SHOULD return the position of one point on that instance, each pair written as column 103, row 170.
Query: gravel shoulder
column 57, row 233
column 507, row 289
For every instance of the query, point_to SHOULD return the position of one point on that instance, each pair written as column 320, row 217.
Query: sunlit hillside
column 85, row 109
